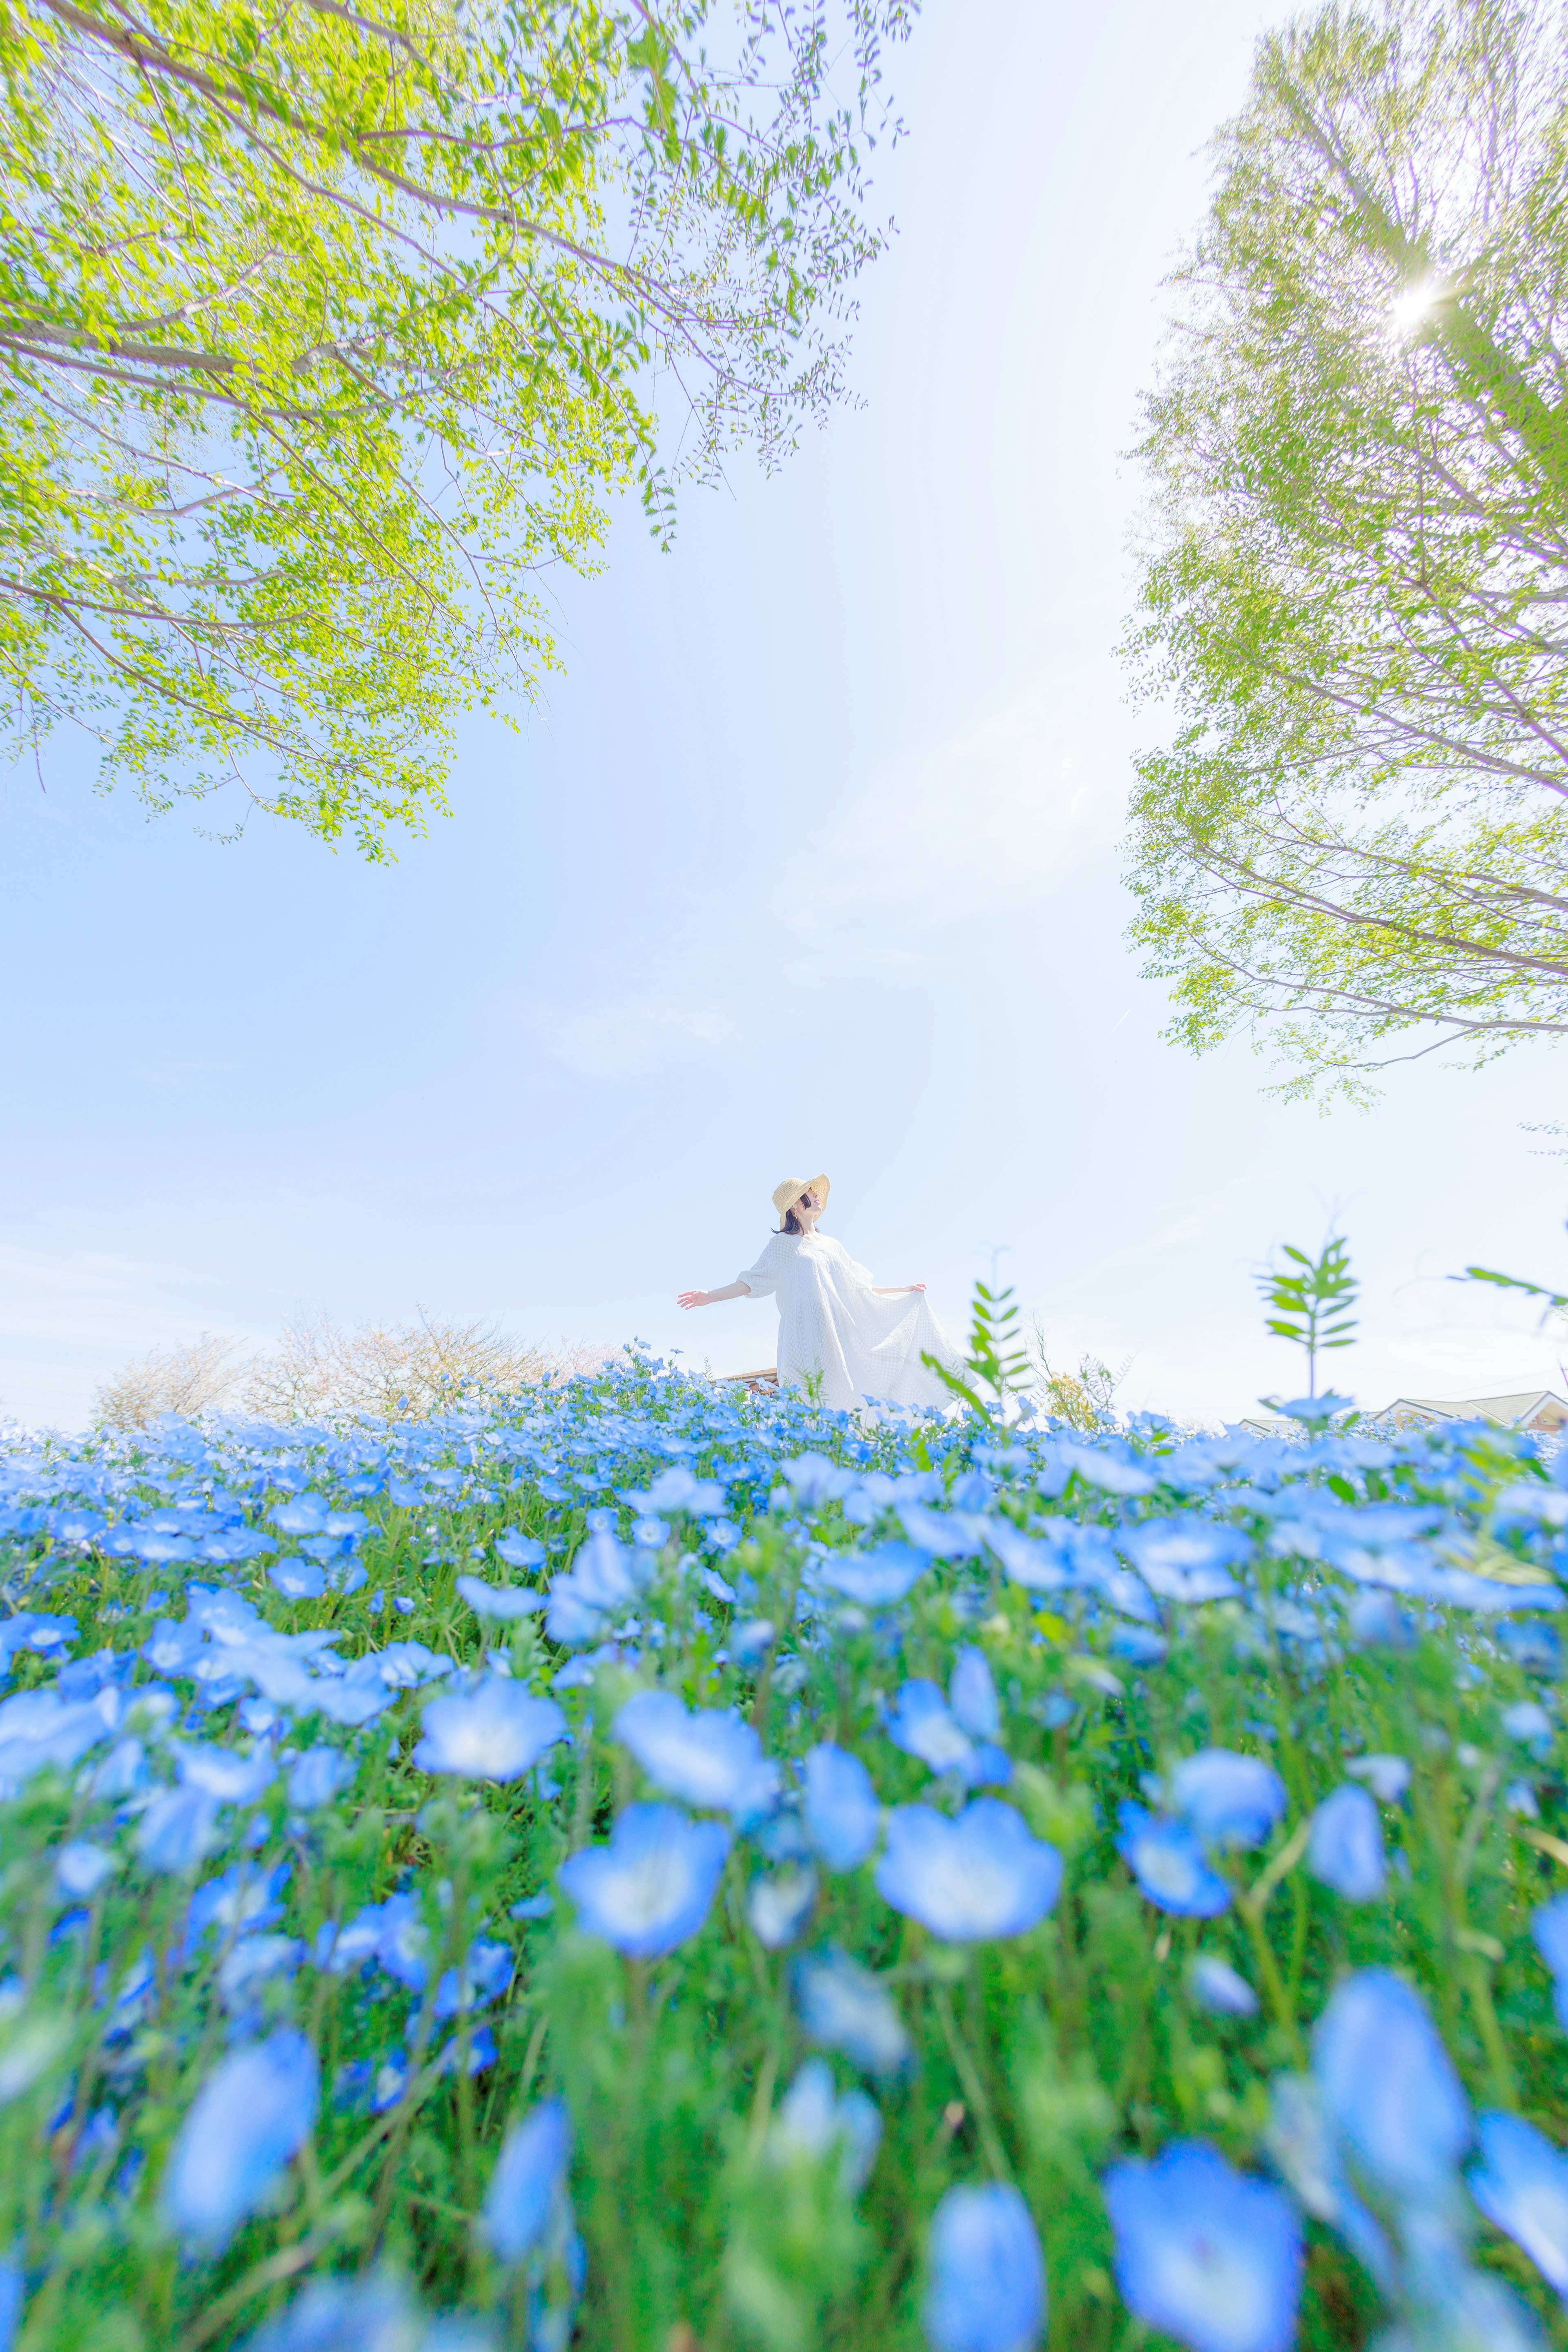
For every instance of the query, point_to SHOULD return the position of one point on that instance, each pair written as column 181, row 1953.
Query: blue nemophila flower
column 38, row 1729
column 1390, row 2087
column 12, row 2296
column 779, row 1906
column 316, row 1777
column 1215, row 1986
column 1522, row 2184
column 355, row 2315
column 232, row 1779
column 296, row 1579
column 707, row 1757
column 249, row 2119
column 1299, row 2139
column 494, row 1731
column 178, row 1830
column 651, row 1886
column 1205, row 2253
column 972, row 1695
column 502, row 1602
column 874, row 1580
column 1185, row 1559
column 981, row 1876
column 1549, row 1926
column 81, row 1869
column 485, row 1974
column 844, row 2007
column 1387, row 1776
column 254, row 1961
column 1169, row 1864
column 1228, row 1799
column 1345, row 1846
column 985, row 2290
column 922, row 1724
column 813, row 2120
column 530, row 2174
column 842, row 1813
column 519, row 1550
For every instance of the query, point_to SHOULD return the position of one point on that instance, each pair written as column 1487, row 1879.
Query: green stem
column 975, row 2088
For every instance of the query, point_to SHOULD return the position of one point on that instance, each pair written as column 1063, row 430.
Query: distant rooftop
column 1538, row 1409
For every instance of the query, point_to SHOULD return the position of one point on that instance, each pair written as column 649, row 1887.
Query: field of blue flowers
column 646, row 1867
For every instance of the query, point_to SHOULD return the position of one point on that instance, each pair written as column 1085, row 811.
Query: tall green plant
column 997, row 1359
column 1313, row 1306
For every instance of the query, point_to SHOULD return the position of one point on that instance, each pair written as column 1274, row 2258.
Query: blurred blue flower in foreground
column 13, row 2296
column 842, row 1814
column 1169, row 1864
column 1389, row 2086
column 1345, row 1845
column 530, row 2174
column 986, row 2286
column 316, row 1777
column 1299, row 2140
column 845, row 2008
column 362, row 2314
column 874, row 1580
column 178, row 1830
column 505, row 1601
column 81, row 1869
column 815, row 2120
column 1522, row 2184
column 650, row 1887
column 923, row 1723
column 779, row 1906
column 1215, row 1986
column 984, row 1875
column 249, row 2119
column 972, row 1695
column 709, row 1758
column 1549, row 1926
column 1205, row 2253
column 496, row 1731
column 1228, row 1799
column 1185, row 1559
column 1387, row 1776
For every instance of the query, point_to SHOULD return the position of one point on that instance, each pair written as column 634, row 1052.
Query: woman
column 836, row 1324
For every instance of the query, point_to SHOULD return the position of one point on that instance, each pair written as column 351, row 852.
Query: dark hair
column 792, row 1223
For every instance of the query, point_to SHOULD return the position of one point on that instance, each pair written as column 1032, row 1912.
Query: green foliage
column 324, row 337
column 996, row 1354
column 1352, row 844
column 1313, row 1307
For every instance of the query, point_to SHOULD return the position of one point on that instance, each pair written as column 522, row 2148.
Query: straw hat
column 786, row 1195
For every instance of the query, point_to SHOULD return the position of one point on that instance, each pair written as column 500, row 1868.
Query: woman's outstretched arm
column 883, row 1289
column 711, row 1298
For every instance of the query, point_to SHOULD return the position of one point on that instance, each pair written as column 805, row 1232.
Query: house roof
column 1521, row 1409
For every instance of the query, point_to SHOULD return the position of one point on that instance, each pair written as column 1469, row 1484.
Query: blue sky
column 809, row 860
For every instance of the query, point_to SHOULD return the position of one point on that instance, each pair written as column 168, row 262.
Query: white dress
column 831, row 1323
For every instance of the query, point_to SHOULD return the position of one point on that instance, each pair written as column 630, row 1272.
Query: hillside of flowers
column 643, row 1867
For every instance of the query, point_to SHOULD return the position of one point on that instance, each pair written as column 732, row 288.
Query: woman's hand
column 692, row 1298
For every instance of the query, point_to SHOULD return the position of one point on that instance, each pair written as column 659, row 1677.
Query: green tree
column 1355, row 585
column 324, row 331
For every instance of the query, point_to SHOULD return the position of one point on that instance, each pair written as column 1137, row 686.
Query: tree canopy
column 324, row 329
column 1353, row 842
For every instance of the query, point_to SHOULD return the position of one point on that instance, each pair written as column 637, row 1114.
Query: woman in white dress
column 862, row 1342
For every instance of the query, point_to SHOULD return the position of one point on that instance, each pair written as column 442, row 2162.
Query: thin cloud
column 997, row 815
